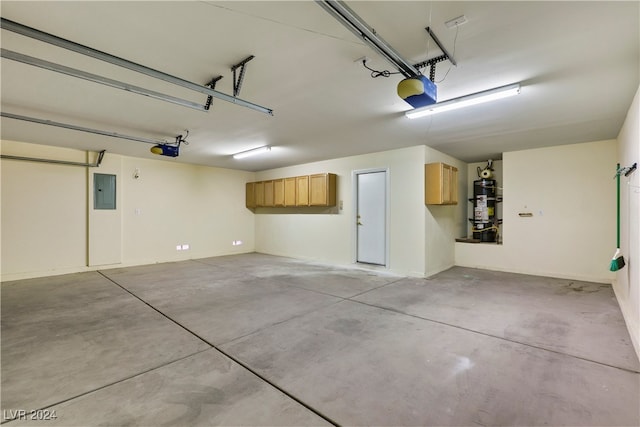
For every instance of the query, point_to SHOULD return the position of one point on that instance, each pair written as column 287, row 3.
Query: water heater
column 485, row 197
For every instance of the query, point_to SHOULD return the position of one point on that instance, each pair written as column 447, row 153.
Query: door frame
column 354, row 216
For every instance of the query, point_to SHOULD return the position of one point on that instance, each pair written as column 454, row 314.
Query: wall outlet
column 185, row 247
column 178, row 247
column 236, row 242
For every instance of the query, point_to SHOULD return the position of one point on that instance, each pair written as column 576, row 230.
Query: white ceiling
column 578, row 63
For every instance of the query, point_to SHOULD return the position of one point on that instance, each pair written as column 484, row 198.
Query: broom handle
column 618, row 206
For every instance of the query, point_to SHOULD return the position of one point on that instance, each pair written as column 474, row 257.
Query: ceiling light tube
column 466, row 101
column 252, row 152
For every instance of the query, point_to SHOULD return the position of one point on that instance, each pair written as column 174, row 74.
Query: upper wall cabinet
column 322, row 189
column 290, row 191
column 440, row 184
column 259, row 194
column 268, row 194
column 306, row 190
column 302, row 190
column 250, row 195
column 278, row 192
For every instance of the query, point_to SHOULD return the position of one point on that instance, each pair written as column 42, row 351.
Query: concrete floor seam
column 376, row 288
column 277, row 387
column 213, row 346
column 293, row 285
column 154, row 309
column 146, row 371
column 298, row 316
column 495, row 336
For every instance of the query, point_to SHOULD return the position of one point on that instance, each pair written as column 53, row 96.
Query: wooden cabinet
column 259, row 194
column 278, row 192
column 290, row 191
column 322, row 189
column 268, row 194
column 440, row 184
column 302, row 190
column 307, row 190
column 250, row 195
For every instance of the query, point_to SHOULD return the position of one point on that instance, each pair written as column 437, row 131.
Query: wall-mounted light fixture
column 252, row 152
column 466, row 101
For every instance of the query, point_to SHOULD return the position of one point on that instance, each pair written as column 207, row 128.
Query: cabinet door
column 278, row 192
column 433, row 184
column 290, row 191
column 268, row 194
column 440, row 184
column 322, row 189
column 302, row 187
column 259, row 193
column 446, row 184
column 250, row 195
column 453, row 185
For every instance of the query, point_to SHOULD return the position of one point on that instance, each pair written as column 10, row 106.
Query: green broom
column 618, row 260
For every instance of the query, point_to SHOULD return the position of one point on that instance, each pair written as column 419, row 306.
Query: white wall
column 175, row 203
column 571, row 193
column 627, row 280
column 48, row 224
column 328, row 235
column 443, row 224
column 44, row 211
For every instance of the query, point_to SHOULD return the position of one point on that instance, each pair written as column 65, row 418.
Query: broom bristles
column 617, row 262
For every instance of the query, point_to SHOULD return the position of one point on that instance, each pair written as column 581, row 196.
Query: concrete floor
column 262, row 340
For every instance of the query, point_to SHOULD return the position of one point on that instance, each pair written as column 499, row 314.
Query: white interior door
column 371, row 218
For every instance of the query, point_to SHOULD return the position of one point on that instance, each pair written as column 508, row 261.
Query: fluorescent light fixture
column 252, row 152
column 466, row 101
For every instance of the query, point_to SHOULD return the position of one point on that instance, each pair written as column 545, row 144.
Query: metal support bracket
column 237, row 82
column 626, row 171
column 183, row 139
column 433, row 61
column 211, row 85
